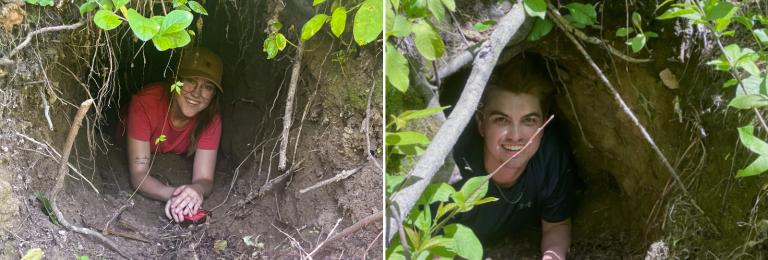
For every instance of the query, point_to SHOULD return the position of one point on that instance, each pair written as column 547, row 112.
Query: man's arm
column 555, row 239
column 138, row 164
column 203, row 170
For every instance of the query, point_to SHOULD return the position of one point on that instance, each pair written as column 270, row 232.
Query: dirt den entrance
column 256, row 212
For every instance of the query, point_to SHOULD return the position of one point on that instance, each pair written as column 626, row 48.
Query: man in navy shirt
column 538, row 186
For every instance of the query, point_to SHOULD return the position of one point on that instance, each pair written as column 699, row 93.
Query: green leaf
column 450, row 4
column 421, row 217
column 106, row 4
column 486, row 200
column 40, row 2
column 392, row 182
column 583, row 14
column 175, row 21
column 83, row 257
column 437, row 241
column 650, row 34
column 395, row 4
column 730, row 82
column 465, row 242
column 415, row 8
column 165, row 41
column 281, row 41
column 437, row 9
column 720, row 10
column 395, row 251
column 46, row 207
column 637, row 20
column 637, row 43
column 747, row 22
column 197, row 7
column 473, row 190
column 444, row 209
column 176, row 87
column 119, row 3
column 397, row 69
column 624, row 31
column 406, row 138
column 761, row 35
column 436, row 192
column 688, row 13
column 757, row 167
column 752, row 84
column 485, row 25
column 177, row 3
column 276, row 26
column 416, row 114
column 106, row 20
column 317, row 2
column 338, row 21
column 754, row 144
column 144, row 28
column 313, row 26
column 33, row 254
column 88, row 7
column 535, row 8
column 160, row 139
column 428, row 42
column 748, row 101
column 400, row 26
column 540, row 29
column 270, row 47
column 368, row 22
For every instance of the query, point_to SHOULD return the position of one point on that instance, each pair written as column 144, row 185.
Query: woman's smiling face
column 507, row 122
column 196, row 95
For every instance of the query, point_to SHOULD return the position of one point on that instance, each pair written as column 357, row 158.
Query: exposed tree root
column 62, row 173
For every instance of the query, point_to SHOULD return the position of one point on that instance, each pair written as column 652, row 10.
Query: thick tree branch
column 421, row 174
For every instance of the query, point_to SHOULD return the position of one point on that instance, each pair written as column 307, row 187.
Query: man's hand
column 184, row 201
column 555, row 239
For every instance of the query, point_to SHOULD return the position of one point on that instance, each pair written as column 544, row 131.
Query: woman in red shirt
column 162, row 120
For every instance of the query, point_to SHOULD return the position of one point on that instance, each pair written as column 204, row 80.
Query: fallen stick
column 343, row 175
column 62, row 175
column 421, row 174
column 351, row 229
column 288, row 116
column 266, row 187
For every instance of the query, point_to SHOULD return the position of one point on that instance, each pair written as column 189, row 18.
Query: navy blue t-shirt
column 546, row 189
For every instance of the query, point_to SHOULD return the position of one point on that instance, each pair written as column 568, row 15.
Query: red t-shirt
column 148, row 118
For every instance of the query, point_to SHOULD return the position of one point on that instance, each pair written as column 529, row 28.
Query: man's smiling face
column 507, row 122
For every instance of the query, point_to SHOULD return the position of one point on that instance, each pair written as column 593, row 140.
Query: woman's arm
column 555, row 239
column 203, row 170
column 138, row 164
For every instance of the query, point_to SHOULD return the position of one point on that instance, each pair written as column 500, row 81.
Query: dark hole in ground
column 598, row 230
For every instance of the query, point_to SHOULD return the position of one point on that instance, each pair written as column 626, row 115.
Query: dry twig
column 343, row 175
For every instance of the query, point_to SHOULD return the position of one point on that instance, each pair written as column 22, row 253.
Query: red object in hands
column 196, row 218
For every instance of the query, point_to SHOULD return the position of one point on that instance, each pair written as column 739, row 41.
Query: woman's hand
column 184, row 201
